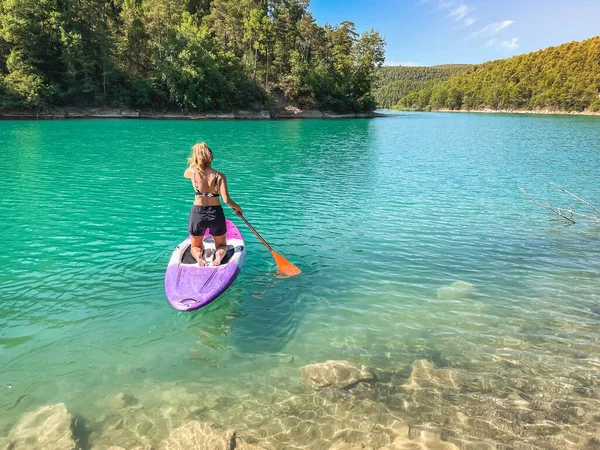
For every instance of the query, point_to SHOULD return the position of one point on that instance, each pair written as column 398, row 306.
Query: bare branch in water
column 565, row 215
column 597, row 219
column 573, row 195
column 559, row 213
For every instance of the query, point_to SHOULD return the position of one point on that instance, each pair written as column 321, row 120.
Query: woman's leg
column 221, row 249
column 197, row 242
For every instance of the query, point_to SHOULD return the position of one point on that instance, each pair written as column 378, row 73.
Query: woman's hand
column 238, row 210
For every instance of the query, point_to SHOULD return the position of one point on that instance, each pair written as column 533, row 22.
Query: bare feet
column 219, row 254
column 198, row 256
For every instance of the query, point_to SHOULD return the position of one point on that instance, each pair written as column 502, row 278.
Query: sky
column 430, row 32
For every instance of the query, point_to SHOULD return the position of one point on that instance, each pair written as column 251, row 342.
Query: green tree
column 187, row 54
column 30, row 28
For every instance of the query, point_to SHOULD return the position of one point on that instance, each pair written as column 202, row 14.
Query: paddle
column 283, row 264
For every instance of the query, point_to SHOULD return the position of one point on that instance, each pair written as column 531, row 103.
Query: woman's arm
column 189, row 172
column 224, row 191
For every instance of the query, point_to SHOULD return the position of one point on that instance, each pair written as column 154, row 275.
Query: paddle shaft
column 255, row 232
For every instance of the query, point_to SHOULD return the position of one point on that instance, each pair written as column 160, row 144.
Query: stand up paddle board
column 189, row 286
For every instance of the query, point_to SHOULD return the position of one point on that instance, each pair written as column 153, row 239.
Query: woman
column 207, row 211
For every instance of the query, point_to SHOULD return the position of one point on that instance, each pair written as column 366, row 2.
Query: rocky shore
column 520, row 111
column 288, row 112
column 336, row 405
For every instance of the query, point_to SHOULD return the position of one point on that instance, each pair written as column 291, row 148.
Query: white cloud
column 457, row 12
column 493, row 28
column 512, row 44
column 460, row 12
column 445, row 4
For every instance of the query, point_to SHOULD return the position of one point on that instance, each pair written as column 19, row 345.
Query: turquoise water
column 415, row 244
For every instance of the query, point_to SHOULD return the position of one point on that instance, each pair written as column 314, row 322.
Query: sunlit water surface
column 415, row 244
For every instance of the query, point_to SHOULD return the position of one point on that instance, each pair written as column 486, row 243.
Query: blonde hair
column 201, row 157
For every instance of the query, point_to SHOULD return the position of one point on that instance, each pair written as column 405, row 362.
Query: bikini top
column 207, row 194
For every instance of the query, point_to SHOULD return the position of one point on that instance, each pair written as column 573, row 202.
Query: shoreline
column 123, row 113
column 510, row 111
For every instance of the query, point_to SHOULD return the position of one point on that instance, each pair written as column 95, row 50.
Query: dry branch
column 565, row 215
column 559, row 212
column 573, row 195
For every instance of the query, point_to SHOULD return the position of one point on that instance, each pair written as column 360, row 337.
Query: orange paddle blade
column 284, row 265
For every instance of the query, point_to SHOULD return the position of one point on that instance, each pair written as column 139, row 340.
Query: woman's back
column 206, row 187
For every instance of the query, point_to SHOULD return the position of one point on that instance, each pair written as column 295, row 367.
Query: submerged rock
column 421, row 442
column 180, row 396
column 456, row 290
column 116, row 447
column 241, row 445
column 48, row 428
column 345, row 446
column 517, row 401
column 196, row 435
column 122, row 400
column 132, row 429
column 424, row 374
column 338, row 374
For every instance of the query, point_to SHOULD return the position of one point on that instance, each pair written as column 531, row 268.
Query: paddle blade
column 285, row 266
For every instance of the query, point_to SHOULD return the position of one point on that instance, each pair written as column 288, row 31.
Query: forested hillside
column 394, row 82
column 188, row 55
column 563, row 78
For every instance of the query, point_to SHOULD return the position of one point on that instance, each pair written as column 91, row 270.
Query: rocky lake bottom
column 340, row 405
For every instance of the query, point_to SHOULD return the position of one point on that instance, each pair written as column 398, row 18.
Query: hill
column 563, row 78
column 394, row 82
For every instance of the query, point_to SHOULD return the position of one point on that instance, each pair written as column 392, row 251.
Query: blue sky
column 429, row 32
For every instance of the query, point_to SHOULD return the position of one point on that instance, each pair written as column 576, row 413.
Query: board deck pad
column 189, row 259
column 188, row 286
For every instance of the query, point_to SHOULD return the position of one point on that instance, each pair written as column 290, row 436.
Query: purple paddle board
column 190, row 287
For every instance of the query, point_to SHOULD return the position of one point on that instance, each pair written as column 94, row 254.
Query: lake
column 421, row 259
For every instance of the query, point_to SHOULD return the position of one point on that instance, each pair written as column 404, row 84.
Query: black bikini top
column 207, row 194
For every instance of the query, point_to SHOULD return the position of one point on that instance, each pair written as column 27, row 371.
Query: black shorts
column 203, row 217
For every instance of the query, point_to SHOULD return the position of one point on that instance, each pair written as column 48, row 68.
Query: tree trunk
column 255, row 60
column 104, row 76
column 267, row 72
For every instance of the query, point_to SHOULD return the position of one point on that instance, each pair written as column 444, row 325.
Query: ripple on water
column 420, row 258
